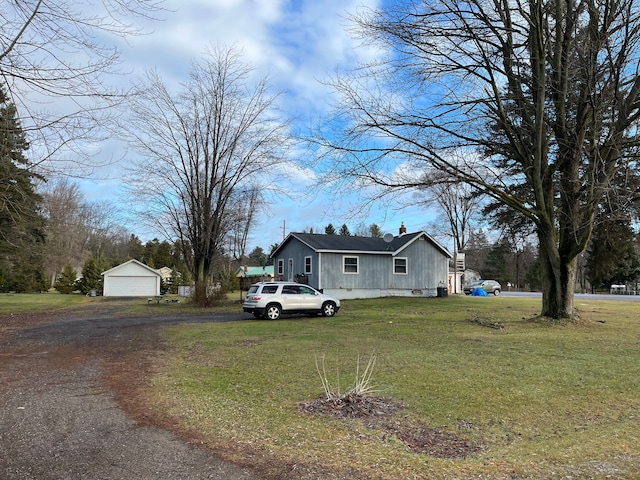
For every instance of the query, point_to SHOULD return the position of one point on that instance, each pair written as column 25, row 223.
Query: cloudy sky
column 297, row 43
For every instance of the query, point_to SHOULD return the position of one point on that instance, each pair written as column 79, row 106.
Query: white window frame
column 281, row 267
column 308, row 265
column 406, row 266
column 344, row 265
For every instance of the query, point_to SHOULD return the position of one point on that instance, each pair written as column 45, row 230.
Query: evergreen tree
column 158, row 254
column 92, row 275
column 533, row 276
column 612, row 258
column 375, row 231
column 344, row 230
column 21, row 225
column 497, row 263
column 258, row 257
column 476, row 251
column 23, row 274
column 330, row 230
column 67, row 281
column 135, row 249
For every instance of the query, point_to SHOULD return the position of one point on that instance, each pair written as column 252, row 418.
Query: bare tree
column 371, row 230
column 459, row 212
column 533, row 103
column 63, row 206
column 55, row 56
column 220, row 136
column 101, row 221
column 241, row 214
column 75, row 228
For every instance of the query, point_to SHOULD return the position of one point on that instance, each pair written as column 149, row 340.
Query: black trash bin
column 443, row 292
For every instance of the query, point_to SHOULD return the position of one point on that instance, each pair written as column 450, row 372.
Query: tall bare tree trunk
column 200, row 295
column 558, row 281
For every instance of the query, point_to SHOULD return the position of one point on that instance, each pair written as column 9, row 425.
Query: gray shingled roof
column 345, row 243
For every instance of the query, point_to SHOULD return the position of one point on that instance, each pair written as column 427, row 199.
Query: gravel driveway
column 61, row 416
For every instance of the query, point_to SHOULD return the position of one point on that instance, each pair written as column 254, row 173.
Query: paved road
column 579, row 296
column 60, row 420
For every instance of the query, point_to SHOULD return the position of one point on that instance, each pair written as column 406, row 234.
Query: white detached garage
column 131, row 279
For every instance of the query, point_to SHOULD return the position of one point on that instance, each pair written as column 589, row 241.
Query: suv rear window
column 253, row 289
column 270, row 289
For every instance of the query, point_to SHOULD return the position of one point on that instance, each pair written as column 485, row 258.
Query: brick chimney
column 403, row 229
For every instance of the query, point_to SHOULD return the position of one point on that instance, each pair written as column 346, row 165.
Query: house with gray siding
column 410, row 264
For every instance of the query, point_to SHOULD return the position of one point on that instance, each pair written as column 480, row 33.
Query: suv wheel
column 328, row 309
column 272, row 312
column 496, row 292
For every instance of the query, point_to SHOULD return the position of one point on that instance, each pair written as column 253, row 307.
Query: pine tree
column 344, row 230
column 497, row 263
column 375, row 231
column 330, row 230
column 612, row 258
column 21, row 224
column 92, row 275
column 67, row 281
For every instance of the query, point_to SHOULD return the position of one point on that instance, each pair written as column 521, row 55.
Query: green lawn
column 38, row 302
column 540, row 400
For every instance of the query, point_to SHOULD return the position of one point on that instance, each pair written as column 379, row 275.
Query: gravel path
column 60, row 419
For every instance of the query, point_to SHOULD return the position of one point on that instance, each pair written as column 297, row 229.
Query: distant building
column 131, row 279
column 249, row 275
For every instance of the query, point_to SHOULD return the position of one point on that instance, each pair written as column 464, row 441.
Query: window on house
column 400, row 266
column 307, row 265
column 280, row 266
column 350, row 264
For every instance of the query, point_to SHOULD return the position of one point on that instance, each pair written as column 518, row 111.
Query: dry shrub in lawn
column 357, row 402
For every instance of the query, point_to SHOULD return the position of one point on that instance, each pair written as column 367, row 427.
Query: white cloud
column 297, row 43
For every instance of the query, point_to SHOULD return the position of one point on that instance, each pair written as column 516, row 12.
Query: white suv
column 271, row 299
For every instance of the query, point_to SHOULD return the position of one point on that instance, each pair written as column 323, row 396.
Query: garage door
column 130, row 286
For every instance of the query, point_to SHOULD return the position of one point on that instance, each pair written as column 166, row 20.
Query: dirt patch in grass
column 486, row 322
column 417, row 436
column 435, row 442
column 249, row 343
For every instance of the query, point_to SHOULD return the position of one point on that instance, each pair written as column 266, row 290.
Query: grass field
column 525, row 398
column 536, row 399
column 38, row 302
